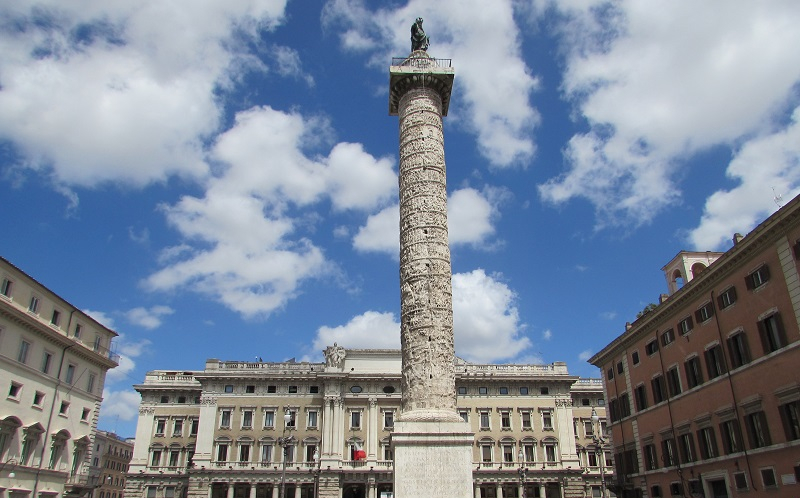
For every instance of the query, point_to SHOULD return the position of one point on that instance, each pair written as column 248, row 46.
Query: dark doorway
column 718, row 488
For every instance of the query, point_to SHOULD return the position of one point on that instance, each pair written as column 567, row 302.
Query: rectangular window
column 78, row 330
column 272, row 389
column 508, row 453
column 757, row 430
column 222, row 453
column 740, row 481
column 247, row 419
column 98, row 342
column 47, row 361
column 588, row 428
column 225, row 419
column 33, row 307
column 14, row 390
column 483, row 390
column 464, row 414
column 311, row 419
column 228, row 388
column 731, row 436
column 790, row 415
column 544, row 391
column 292, row 389
column 194, row 427
column 292, row 420
column 694, row 374
column 503, row 390
column 5, row 289
column 173, row 458
column 667, row 337
column 251, row 389
column 523, row 390
column 739, row 349
column 715, row 362
column 668, row 452
column 70, row 374
column 550, row 452
column 685, row 326
column 708, row 443
column 484, row 420
column 24, row 348
column 85, row 414
column 650, row 457
column 38, row 398
column 486, row 453
column 624, row 405
column 244, row 453
column 727, row 298
column 704, row 313
column 155, row 460
column 266, row 453
column 355, row 419
column 640, row 397
column 635, row 357
column 388, row 419
column 90, row 383
column 547, row 420
column 313, row 389
column 526, row 419
column 269, row 419
column 56, row 318
column 651, row 348
column 64, row 409
column 161, row 426
column 673, row 381
column 462, row 390
column 687, row 448
column 505, row 420
column 758, row 278
column 768, row 478
column 620, row 368
column 773, row 336
column 610, row 374
column 177, row 428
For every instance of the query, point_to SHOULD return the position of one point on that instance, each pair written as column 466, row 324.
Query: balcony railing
column 421, row 62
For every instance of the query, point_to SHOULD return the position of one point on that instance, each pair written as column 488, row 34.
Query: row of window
column 768, row 481
column 34, row 306
column 16, row 392
column 684, row 451
column 24, row 356
column 523, row 390
column 506, row 417
column 773, row 337
column 31, row 441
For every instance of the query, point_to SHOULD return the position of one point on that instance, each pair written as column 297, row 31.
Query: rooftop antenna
column 778, row 198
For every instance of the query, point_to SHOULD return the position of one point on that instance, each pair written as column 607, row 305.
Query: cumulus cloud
column 101, row 317
column 608, row 315
column 547, row 335
column 657, row 86
column 486, row 319
column 763, row 167
column 585, row 355
column 243, row 243
column 128, row 350
column 370, row 330
column 149, row 318
column 133, row 83
column 497, row 103
column 470, row 219
column 119, row 404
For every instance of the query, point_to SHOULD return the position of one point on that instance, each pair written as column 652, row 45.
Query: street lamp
column 284, row 443
column 599, row 443
column 523, row 472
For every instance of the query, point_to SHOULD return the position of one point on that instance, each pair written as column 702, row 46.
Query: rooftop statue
column 419, row 40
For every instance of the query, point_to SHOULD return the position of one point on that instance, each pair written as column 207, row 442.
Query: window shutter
column 748, row 282
column 762, row 333
column 797, row 249
column 689, row 321
column 709, row 363
column 765, row 272
column 698, row 316
column 781, row 330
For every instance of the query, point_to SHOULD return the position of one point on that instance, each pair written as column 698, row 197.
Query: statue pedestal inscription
column 432, row 459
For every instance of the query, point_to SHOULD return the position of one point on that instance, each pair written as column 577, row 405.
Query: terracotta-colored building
column 704, row 389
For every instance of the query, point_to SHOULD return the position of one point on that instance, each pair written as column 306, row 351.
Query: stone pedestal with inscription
column 432, row 445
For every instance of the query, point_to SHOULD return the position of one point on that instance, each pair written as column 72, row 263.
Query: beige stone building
column 217, row 432
column 53, row 364
column 704, row 390
column 111, row 461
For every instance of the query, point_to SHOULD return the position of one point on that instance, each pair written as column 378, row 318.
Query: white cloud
column 470, row 218
column 608, row 315
column 289, row 64
column 761, row 165
column 242, row 249
column 547, row 335
column 149, row 318
column 128, row 351
column 101, row 317
column 370, row 330
column 486, row 319
column 657, row 86
column 119, row 404
column 136, row 92
column 497, row 101
column 585, row 355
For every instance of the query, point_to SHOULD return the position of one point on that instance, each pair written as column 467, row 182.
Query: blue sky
column 218, row 179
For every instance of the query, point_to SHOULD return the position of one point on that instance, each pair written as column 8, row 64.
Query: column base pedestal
column 432, row 459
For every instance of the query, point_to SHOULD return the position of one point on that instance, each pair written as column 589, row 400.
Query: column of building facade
column 566, row 436
column 276, row 491
column 372, row 437
column 338, row 428
column 204, row 446
column 144, row 432
column 327, row 428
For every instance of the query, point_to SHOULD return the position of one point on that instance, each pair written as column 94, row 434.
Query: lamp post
column 523, row 472
column 316, row 472
column 284, row 443
column 599, row 443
